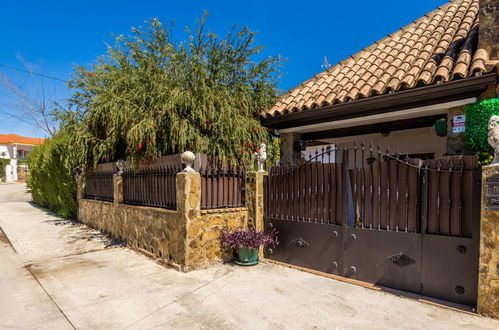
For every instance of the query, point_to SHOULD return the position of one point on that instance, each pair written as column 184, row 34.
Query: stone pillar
column 254, row 199
column 488, row 270
column 189, row 209
column 290, row 148
column 488, row 33
column 80, row 187
column 456, row 142
column 118, row 188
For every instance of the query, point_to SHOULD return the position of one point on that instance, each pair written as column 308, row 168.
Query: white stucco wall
column 411, row 141
column 12, row 149
column 7, row 149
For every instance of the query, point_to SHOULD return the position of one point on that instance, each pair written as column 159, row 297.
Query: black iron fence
column 152, row 184
column 99, row 184
column 222, row 184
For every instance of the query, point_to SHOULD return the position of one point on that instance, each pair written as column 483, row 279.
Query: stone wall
column 203, row 236
column 158, row 231
column 456, row 142
column 186, row 238
column 488, row 271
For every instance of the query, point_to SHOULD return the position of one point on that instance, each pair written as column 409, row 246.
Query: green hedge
column 476, row 131
column 3, row 162
column 51, row 180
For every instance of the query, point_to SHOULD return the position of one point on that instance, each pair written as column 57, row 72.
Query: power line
column 33, row 73
column 18, row 118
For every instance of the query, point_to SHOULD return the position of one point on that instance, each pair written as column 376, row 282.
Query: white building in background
column 15, row 148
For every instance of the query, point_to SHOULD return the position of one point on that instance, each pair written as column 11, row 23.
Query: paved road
column 63, row 275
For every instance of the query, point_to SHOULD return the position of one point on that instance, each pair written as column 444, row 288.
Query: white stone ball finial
column 188, row 159
column 493, row 138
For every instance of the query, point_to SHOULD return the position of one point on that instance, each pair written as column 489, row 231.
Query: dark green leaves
column 477, row 117
column 151, row 96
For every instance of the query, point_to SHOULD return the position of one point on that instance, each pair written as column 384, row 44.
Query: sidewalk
column 76, row 278
column 23, row 302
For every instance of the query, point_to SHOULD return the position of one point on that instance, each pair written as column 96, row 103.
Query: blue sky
column 55, row 35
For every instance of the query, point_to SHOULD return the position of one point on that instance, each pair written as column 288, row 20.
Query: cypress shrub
column 51, row 179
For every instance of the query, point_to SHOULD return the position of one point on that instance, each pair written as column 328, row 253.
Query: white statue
column 494, row 137
column 120, row 164
column 188, row 159
column 261, row 157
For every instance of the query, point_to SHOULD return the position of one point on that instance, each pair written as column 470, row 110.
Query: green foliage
column 3, row 162
column 151, row 96
column 51, row 180
column 476, row 131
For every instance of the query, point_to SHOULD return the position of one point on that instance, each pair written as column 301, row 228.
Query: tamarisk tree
column 151, row 96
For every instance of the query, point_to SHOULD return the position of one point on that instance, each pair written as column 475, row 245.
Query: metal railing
column 222, row 184
column 366, row 186
column 99, row 184
column 152, row 184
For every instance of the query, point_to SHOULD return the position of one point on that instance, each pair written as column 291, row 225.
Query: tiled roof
column 13, row 138
column 439, row 47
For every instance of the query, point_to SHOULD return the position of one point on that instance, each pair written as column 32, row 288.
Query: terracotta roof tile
column 440, row 46
column 14, row 138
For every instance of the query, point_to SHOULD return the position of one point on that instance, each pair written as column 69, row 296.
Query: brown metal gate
column 383, row 218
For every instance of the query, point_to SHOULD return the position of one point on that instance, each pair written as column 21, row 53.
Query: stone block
column 488, row 271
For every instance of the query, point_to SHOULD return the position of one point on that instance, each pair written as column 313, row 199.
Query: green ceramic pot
column 247, row 257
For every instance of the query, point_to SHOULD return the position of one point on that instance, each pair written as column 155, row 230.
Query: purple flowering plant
column 251, row 238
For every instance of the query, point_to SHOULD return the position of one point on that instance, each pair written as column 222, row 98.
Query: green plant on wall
column 3, row 163
column 476, row 132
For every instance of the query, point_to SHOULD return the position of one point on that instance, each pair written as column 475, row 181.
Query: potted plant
column 247, row 243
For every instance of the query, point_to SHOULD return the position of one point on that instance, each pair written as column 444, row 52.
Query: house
column 410, row 223
column 394, row 91
column 16, row 147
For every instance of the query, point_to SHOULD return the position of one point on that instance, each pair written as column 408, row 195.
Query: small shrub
column 250, row 239
column 476, row 131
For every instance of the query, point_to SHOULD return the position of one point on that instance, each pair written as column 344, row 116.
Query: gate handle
column 300, row 242
column 353, row 236
column 335, row 233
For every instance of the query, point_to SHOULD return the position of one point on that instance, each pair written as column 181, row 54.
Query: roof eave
column 421, row 96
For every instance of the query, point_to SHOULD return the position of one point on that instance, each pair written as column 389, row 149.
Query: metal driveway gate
column 382, row 218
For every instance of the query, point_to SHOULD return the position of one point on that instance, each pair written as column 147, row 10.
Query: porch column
column 488, row 268
column 456, row 142
column 290, row 148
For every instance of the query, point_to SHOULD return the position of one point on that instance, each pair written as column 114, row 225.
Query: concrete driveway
column 62, row 275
